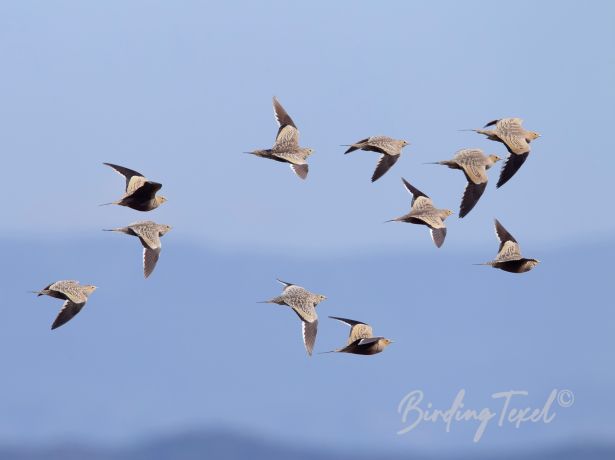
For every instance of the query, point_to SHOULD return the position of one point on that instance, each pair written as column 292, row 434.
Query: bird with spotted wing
column 149, row 234
column 303, row 303
column 74, row 295
column 140, row 193
column 423, row 212
column 361, row 340
column 389, row 149
column 509, row 256
column 474, row 165
column 286, row 148
column 510, row 132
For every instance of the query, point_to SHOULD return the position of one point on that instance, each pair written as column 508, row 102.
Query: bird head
column 164, row 229
column 447, row 212
column 404, row 143
column 386, row 342
column 531, row 135
column 494, row 159
column 160, row 199
column 88, row 289
column 321, row 297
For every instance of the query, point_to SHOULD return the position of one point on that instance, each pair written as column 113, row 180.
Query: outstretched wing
column 471, row 195
column 69, row 310
column 127, row 173
column 512, row 165
column 288, row 132
column 358, row 329
column 309, row 330
column 416, row 193
column 150, row 258
column 384, row 164
column 503, row 234
column 300, row 170
column 438, row 235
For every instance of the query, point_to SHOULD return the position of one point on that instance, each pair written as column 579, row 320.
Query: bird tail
column 471, row 129
column 38, row 293
column 486, row 263
column 325, row 352
column 443, row 162
column 352, row 148
column 107, row 204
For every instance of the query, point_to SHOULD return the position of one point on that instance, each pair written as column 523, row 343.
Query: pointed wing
column 491, row 123
column 150, row 258
column 127, row 173
column 68, row 311
column 352, row 148
column 384, row 164
column 309, row 330
column 416, row 193
column 438, row 235
column 509, row 251
column 288, row 132
column 471, row 195
column 300, row 170
column 358, row 329
column 503, row 234
column 512, row 165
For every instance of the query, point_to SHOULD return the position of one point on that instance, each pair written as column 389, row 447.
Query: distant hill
column 229, row 446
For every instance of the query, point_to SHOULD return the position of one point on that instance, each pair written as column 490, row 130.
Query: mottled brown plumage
column 509, row 256
column 423, row 212
column 389, row 148
column 510, row 132
column 140, row 193
column 303, row 303
column 361, row 340
column 474, row 165
column 74, row 295
column 286, row 148
column 149, row 234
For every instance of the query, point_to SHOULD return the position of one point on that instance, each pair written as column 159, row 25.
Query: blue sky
column 177, row 90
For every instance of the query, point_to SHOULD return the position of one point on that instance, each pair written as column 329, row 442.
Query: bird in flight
column 361, row 340
column 140, row 193
column 74, row 294
column 389, row 148
column 149, row 234
column 474, row 165
column 510, row 132
column 509, row 256
column 286, row 148
column 423, row 212
column 303, row 303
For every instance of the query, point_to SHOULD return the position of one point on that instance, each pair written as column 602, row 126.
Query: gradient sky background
column 177, row 90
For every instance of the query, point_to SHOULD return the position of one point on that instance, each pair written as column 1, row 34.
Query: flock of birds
column 141, row 195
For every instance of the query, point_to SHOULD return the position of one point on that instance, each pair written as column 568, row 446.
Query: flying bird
column 303, row 303
column 423, row 212
column 509, row 256
column 74, row 295
column 149, row 234
column 389, row 148
column 474, row 165
column 361, row 340
column 286, row 148
column 510, row 132
column 140, row 193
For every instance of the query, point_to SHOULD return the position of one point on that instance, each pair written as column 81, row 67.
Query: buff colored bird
column 286, row 148
column 361, row 340
column 149, row 234
column 74, row 294
column 140, row 193
column 423, row 212
column 389, row 148
column 510, row 132
column 474, row 165
column 509, row 256
column 303, row 303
